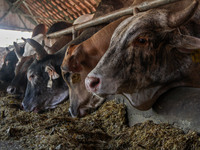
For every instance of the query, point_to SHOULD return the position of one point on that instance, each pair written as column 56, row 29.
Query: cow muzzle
column 92, row 84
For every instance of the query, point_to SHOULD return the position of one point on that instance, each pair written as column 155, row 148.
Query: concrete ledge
column 179, row 106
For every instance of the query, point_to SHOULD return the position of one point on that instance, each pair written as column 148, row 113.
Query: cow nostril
column 11, row 90
column 94, row 82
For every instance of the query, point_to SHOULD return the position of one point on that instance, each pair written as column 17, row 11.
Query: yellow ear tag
column 50, row 83
column 76, row 78
column 196, row 56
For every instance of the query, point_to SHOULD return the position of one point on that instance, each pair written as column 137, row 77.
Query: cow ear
column 51, row 72
column 17, row 51
column 186, row 43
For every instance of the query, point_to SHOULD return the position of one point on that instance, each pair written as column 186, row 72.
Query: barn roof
column 46, row 11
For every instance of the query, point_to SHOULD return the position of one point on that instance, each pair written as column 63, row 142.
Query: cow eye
column 141, row 41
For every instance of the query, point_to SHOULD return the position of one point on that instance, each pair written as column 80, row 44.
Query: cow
column 45, row 86
column 39, row 35
column 38, row 79
column 18, row 84
column 149, row 54
column 79, row 60
column 8, row 67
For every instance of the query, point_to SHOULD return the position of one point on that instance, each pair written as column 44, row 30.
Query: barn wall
column 12, row 21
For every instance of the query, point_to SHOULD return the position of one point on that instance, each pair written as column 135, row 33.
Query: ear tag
column 76, row 78
column 196, row 56
column 50, row 83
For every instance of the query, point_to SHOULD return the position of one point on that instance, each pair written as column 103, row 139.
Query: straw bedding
column 104, row 129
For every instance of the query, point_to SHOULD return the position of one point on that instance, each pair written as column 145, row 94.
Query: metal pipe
column 119, row 13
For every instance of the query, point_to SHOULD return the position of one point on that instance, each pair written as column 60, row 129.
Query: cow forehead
column 141, row 22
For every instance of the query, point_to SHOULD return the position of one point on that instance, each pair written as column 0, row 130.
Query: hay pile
column 105, row 129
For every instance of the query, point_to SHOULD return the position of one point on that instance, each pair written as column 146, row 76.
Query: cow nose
column 92, row 83
column 11, row 89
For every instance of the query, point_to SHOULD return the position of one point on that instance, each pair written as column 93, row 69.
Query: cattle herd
column 140, row 56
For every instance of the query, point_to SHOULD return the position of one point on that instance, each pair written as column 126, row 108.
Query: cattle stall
column 171, row 123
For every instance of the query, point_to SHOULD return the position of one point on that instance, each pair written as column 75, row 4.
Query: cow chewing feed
column 149, row 54
column 10, row 60
column 79, row 60
column 18, row 84
column 45, row 88
column 105, row 6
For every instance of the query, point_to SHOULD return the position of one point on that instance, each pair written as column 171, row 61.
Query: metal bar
column 22, row 21
column 9, row 10
column 106, row 18
column 18, row 5
column 30, row 12
column 20, row 12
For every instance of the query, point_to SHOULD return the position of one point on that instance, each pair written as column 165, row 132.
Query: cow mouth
column 144, row 99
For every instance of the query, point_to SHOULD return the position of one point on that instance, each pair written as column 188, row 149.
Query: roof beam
column 22, row 21
column 9, row 10
column 30, row 11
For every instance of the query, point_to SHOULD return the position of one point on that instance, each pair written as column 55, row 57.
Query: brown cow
column 81, row 59
column 149, row 54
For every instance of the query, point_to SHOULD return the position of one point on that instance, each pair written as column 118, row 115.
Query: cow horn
column 41, row 53
column 17, row 50
column 23, row 39
column 178, row 18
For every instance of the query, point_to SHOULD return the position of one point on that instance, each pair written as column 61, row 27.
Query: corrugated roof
column 51, row 11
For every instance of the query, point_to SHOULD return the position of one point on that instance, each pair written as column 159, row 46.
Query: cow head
column 74, row 73
column 78, row 62
column 19, row 82
column 10, row 60
column 45, row 88
column 147, row 56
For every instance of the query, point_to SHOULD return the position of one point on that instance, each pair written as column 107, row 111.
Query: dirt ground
column 106, row 128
